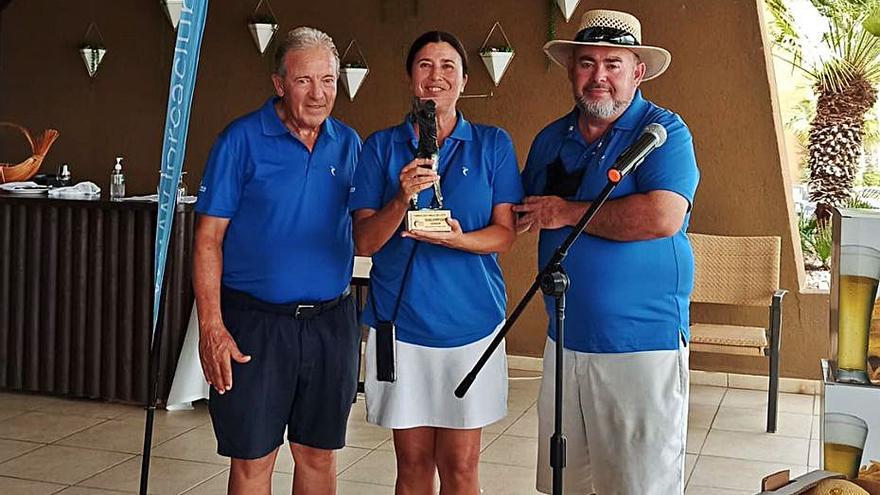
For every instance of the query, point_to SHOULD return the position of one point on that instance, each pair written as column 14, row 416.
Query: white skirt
column 423, row 394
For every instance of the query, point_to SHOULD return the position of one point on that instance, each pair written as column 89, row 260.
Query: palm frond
column 784, row 31
column 854, row 53
column 851, row 51
column 863, row 47
column 865, row 55
column 798, row 65
column 835, row 8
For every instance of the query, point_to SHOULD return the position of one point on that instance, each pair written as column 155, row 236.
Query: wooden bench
column 740, row 271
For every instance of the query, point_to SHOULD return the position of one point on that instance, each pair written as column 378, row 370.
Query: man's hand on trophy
column 451, row 239
column 416, row 176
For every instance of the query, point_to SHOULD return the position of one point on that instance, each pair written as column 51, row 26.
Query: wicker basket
column 26, row 169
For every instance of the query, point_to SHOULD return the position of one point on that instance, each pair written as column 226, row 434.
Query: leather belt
column 297, row 310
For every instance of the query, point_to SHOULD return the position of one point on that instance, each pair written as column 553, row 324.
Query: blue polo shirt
column 624, row 296
column 289, row 235
column 451, row 297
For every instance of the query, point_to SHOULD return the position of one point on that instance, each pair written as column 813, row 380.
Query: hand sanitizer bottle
column 117, row 180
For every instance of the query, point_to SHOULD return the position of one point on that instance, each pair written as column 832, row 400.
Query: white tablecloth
column 189, row 384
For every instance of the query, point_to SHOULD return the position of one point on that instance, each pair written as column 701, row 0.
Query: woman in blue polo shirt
column 453, row 299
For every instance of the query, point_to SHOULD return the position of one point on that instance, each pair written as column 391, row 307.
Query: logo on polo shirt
column 332, row 170
column 464, row 171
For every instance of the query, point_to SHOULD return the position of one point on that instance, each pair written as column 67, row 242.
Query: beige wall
column 718, row 82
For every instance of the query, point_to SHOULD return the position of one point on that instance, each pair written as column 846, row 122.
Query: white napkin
column 148, row 198
column 81, row 190
column 18, row 186
column 155, row 198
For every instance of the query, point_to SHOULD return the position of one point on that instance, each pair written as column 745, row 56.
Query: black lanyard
column 409, row 263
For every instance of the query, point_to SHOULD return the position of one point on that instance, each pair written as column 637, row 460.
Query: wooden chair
column 740, row 271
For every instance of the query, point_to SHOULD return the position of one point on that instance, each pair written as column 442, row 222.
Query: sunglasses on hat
column 606, row 34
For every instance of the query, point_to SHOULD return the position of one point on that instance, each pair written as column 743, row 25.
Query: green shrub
column 823, row 244
column 816, row 240
column 871, row 179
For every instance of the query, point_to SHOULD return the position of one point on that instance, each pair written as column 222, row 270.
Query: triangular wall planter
column 496, row 57
column 567, row 7
column 353, row 70
column 172, row 10
column 263, row 34
column 92, row 57
column 352, row 78
column 496, row 64
column 92, row 49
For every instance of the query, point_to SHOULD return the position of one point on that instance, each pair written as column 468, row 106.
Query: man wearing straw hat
column 625, row 349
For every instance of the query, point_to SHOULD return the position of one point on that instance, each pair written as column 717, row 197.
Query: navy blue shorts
column 302, row 376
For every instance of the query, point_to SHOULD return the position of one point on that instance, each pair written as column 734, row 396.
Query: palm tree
column 844, row 82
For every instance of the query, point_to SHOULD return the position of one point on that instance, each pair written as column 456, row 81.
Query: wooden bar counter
column 76, row 291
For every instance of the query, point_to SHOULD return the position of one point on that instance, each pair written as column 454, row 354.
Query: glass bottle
column 117, row 180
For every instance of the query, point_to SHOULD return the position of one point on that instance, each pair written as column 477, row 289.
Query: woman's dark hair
column 436, row 37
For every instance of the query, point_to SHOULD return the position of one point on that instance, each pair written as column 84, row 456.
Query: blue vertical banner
column 183, row 82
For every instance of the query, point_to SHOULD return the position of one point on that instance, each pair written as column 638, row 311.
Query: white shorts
column 624, row 418
column 423, row 395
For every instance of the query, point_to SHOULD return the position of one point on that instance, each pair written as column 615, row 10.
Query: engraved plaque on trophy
column 432, row 218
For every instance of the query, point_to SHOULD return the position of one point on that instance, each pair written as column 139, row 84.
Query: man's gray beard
column 601, row 109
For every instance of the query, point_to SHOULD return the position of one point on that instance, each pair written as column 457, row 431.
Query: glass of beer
column 845, row 436
column 859, row 277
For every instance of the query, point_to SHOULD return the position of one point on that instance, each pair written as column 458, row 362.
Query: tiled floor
column 50, row 445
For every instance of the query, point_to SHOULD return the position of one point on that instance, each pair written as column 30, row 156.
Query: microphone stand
column 553, row 281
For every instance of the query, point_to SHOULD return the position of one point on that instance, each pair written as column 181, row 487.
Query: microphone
column 653, row 136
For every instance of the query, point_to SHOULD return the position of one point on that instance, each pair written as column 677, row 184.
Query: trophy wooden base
column 428, row 220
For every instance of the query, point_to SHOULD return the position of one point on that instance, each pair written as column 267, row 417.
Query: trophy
column 433, row 218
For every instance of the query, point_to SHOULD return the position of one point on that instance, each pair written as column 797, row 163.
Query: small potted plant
column 497, row 59
column 353, row 70
column 567, row 7
column 352, row 75
column 263, row 28
column 92, row 49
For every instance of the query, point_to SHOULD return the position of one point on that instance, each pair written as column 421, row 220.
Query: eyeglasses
column 606, row 34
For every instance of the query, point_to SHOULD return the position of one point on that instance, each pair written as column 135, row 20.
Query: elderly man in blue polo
column 273, row 261
column 625, row 346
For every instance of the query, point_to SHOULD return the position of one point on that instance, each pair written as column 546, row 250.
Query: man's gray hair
column 303, row 38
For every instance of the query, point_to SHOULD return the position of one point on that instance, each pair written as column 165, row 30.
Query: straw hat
column 614, row 29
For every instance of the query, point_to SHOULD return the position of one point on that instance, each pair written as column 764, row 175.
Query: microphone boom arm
column 653, row 136
column 551, row 266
